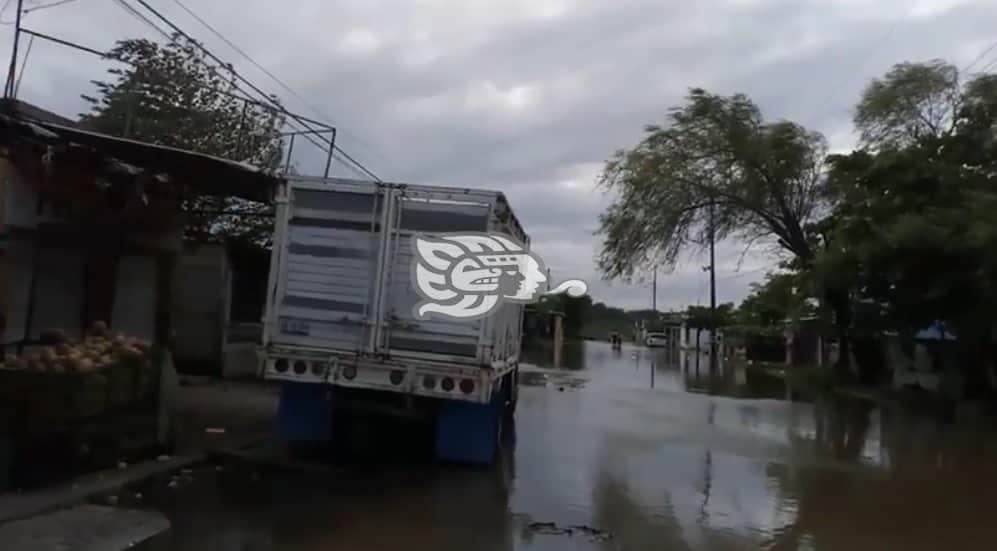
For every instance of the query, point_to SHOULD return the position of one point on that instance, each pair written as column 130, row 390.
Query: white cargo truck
column 339, row 325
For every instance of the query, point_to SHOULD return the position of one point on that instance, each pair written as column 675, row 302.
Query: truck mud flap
column 305, row 414
column 469, row 433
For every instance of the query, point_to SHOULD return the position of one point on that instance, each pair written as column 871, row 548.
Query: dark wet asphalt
column 693, row 463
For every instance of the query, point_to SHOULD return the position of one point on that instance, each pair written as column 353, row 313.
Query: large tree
column 716, row 166
column 911, row 103
column 914, row 234
column 172, row 95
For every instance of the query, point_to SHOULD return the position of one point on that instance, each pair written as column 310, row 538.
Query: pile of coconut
column 96, row 351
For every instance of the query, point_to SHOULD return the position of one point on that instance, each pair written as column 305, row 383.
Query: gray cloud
column 531, row 96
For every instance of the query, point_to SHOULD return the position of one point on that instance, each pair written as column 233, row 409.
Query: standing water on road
column 603, row 460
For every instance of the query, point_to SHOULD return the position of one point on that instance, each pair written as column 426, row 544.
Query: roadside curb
column 15, row 506
column 21, row 506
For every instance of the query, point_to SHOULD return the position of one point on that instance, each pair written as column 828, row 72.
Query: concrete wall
column 198, row 306
column 134, row 310
column 20, row 202
column 688, row 336
column 60, row 274
column 207, row 341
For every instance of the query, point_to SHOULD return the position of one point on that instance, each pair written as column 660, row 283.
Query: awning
column 204, row 174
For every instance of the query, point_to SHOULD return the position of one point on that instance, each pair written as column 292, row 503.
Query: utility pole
column 8, row 91
column 654, row 290
column 548, row 280
column 713, row 295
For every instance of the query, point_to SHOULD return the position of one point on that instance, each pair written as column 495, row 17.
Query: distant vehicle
column 656, row 339
column 340, row 331
column 616, row 340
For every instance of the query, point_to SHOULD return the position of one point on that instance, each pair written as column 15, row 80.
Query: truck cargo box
column 341, row 290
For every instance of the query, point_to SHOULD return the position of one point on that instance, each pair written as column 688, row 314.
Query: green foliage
column 911, row 103
column 717, row 166
column 915, row 237
column 783, row 296
column 575, row 309
column 701, row 317
column 171, row 95
column 604, row 320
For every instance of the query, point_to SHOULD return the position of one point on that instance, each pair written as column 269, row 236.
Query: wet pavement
column 602, row 460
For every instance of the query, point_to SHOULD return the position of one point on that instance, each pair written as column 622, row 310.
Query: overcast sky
column 531, row 96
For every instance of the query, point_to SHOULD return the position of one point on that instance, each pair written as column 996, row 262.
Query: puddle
column 561, row 381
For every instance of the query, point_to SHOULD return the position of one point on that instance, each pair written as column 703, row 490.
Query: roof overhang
column 202, row 174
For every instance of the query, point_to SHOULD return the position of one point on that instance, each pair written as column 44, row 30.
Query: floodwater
column 603, row 460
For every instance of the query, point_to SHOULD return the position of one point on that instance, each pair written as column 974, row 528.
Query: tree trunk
column 842, row 311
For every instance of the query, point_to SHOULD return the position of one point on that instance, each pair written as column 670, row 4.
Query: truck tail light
column 397, row 377
column 280, row 365
column 447, row 384
column 467, row 386
column 318, row 368
column 429, row 382
column 300, row 367
column 350, row 372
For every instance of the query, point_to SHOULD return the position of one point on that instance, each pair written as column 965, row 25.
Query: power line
column 252, row 86
column 875, row 47
column 265, row 71
column 263, row 94
column 44, row 6
column 141, row 17
column 980, row 57
column 172, row 39
column 102, row 54
column 989, row 66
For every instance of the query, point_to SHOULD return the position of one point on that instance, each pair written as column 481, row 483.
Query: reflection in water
column 701, row 463
column 697, row 462
column 573, row 354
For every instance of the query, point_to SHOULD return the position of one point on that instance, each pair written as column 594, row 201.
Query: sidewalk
column 212, row 417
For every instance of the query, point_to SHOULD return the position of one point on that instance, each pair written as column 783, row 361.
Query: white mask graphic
column 468, row 275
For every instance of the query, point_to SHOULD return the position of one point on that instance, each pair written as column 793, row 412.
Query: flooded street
column 601, row 460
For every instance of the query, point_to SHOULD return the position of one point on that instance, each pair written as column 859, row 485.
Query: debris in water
column 163, row 458
column 550, row 528
column 137, row 496
column 122, row 465
column 218, row 468
column 172, row 484
column 186, row 471
column 214, row 430
column 112, row 500
column 560, row 389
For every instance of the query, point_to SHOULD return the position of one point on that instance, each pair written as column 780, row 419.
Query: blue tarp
column 935, row 332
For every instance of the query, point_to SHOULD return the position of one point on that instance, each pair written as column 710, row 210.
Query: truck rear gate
column 341, row 299
column 446, row 340
column 329, row 252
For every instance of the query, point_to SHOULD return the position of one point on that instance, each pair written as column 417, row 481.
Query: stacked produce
column 95, row 352
column 63, row 379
